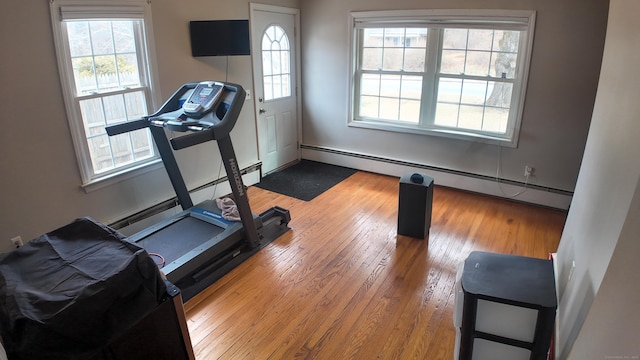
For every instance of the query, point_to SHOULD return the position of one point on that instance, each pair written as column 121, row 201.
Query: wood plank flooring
column 342, row 285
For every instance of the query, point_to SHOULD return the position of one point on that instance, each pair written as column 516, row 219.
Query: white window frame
column 62, row 10
column 522, row 20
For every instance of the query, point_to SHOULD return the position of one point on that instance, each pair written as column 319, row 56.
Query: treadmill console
column 197, row 104
column 203, row 98
column 207, row 107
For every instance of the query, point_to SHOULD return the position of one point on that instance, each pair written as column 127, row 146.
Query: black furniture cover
column 68, row 293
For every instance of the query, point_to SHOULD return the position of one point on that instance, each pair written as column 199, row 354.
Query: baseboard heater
column 173, row 202
column 555, row 198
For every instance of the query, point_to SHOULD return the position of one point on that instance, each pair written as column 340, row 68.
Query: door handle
column 262, row 111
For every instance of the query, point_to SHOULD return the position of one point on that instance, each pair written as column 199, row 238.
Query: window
column 105, row 70
column 450, row 73
column 275, row 62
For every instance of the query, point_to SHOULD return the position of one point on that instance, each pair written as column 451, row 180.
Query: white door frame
column 290, row 11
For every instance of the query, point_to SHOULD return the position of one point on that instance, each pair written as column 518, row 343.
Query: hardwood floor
column 342, row 285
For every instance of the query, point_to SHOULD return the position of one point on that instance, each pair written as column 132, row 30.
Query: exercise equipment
column 198, row 244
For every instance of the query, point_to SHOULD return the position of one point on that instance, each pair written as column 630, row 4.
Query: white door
column 273, row 45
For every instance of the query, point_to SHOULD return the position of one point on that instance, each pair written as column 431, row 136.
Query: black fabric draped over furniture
column 70, row 292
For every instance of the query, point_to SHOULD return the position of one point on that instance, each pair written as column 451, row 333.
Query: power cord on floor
column 215, row 187
column 161, row 259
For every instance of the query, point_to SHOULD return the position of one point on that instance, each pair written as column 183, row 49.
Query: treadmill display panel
column 203, row 98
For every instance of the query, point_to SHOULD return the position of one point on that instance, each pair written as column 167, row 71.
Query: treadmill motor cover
column 67, row 294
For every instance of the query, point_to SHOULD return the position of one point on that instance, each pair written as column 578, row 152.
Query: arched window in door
column 276, row 69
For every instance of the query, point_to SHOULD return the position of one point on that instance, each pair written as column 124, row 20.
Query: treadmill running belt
column 174, row 241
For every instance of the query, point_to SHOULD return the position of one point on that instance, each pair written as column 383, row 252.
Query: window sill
column 452, row 134
column 111, row 179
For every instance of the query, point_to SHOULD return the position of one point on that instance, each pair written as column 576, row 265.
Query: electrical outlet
column 17, row 242
column 528, row 170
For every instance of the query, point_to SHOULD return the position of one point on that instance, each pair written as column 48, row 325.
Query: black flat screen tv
column 219, row 37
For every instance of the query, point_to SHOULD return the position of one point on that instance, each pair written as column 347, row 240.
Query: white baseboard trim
column 455, row 179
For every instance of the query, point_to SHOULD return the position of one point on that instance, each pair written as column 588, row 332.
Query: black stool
column 508, row 307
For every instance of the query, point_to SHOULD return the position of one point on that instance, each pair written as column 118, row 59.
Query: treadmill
column 198, row 244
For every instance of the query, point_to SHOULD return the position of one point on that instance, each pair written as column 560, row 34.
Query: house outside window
column 451, row 73
column 107, row 77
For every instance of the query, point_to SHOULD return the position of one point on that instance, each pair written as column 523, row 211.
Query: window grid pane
column 276, row 66
column 480, row 52
column 484, row 105
column 472, row 55
column 388, row 56
column 103, row 54
column 108, row 153
column 398, row 97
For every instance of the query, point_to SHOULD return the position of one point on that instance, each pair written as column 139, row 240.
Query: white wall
column 567, row 53
column 598, row 310
column 39, row 181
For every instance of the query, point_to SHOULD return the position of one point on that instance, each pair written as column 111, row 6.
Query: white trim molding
column 533, row 194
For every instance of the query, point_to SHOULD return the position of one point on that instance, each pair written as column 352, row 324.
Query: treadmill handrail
column 170, row 105
column 125, row 127
column 173, row 103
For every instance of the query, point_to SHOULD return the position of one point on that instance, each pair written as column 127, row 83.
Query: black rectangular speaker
column 414, row 205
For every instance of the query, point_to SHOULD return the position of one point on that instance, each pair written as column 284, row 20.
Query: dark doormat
column 305, row 180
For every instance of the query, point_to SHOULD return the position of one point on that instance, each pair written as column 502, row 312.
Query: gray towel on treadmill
column 229, row 209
